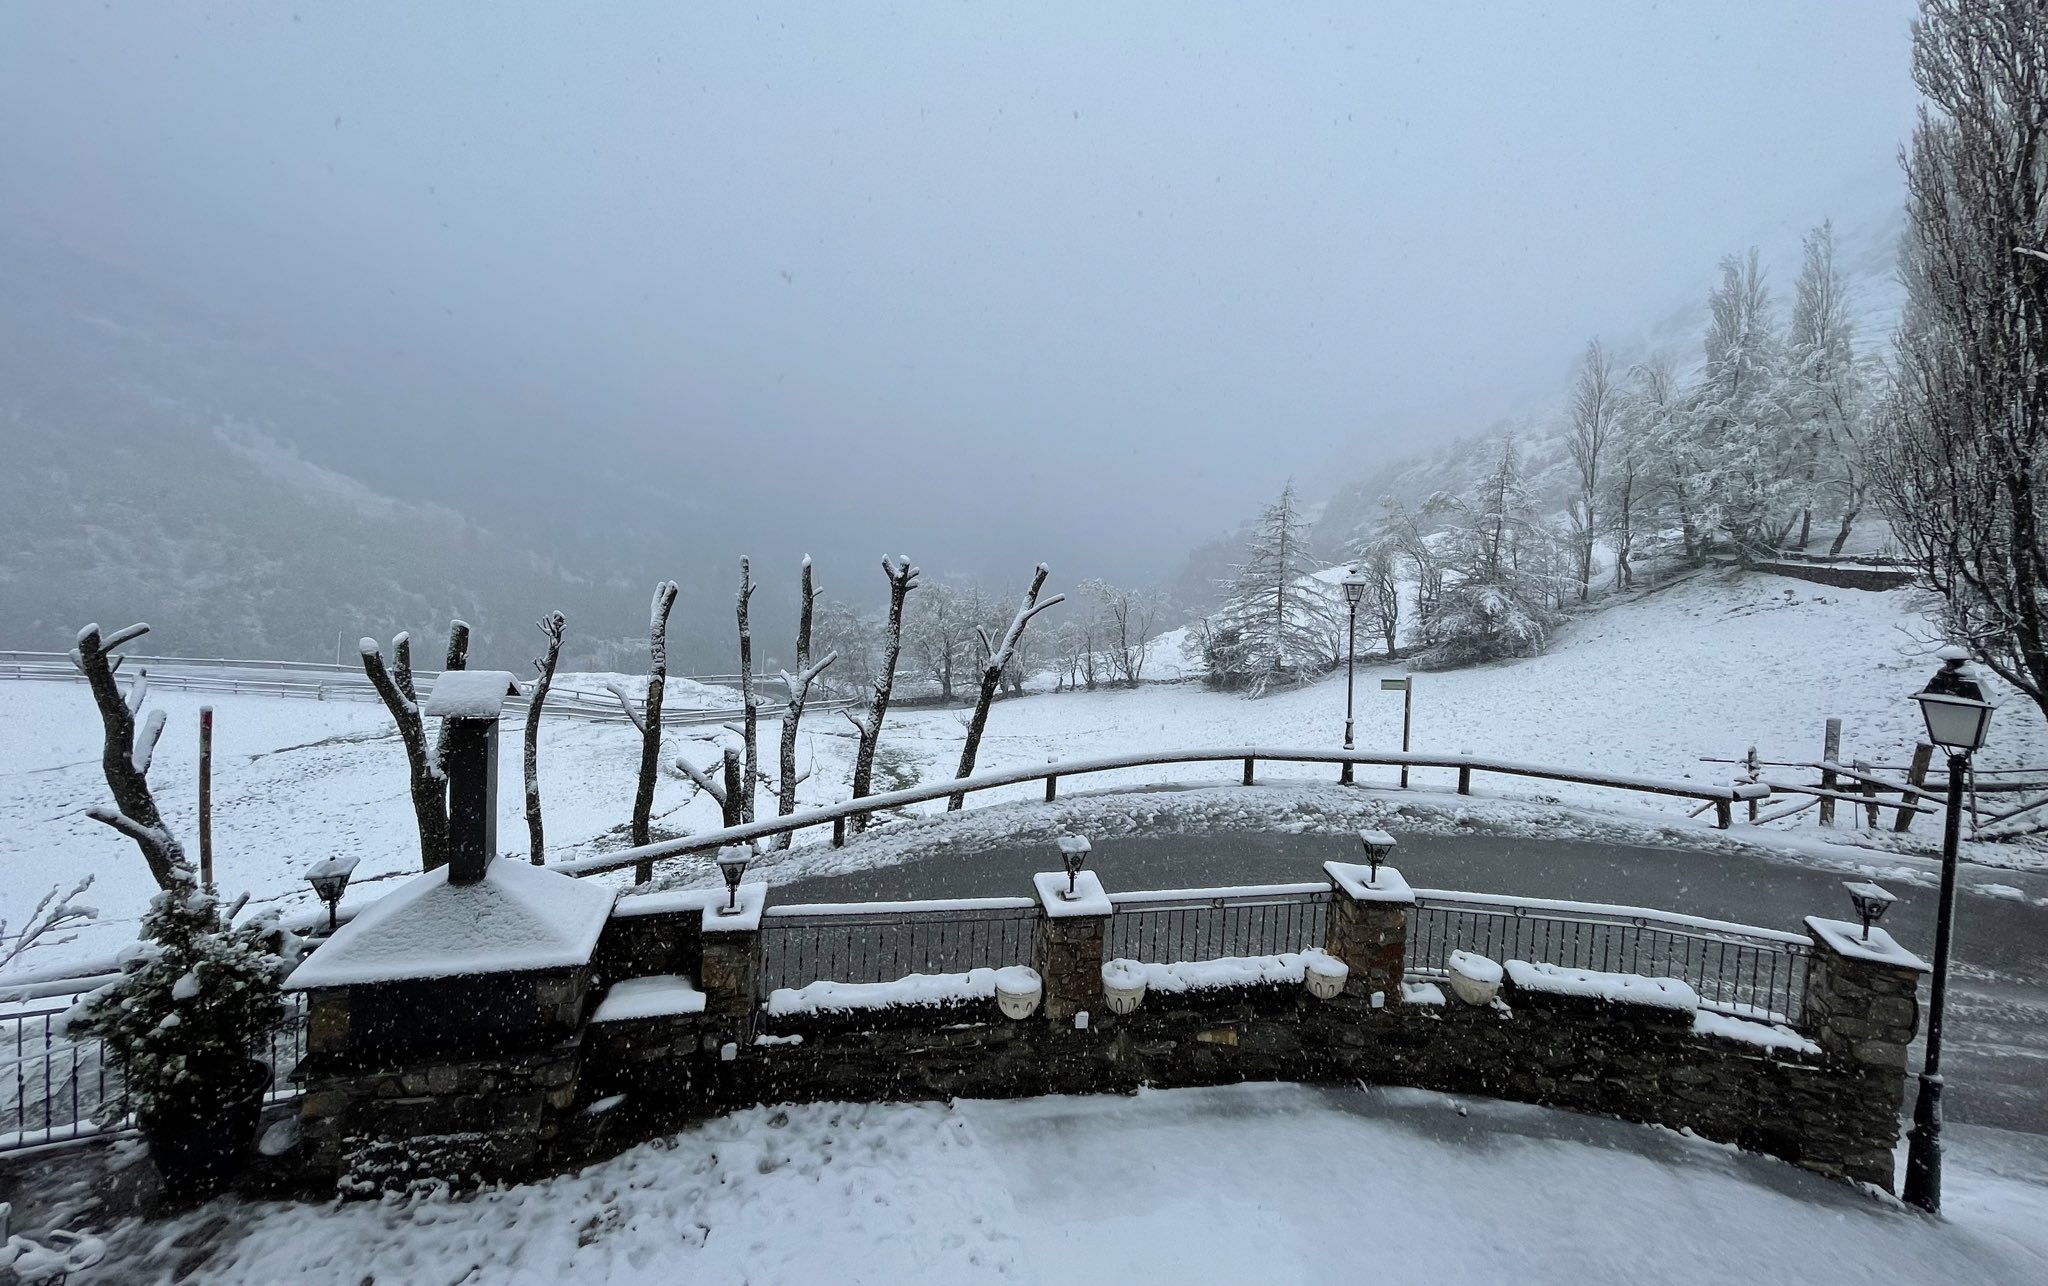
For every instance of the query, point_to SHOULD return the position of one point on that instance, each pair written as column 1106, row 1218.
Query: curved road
column 1997, row 1042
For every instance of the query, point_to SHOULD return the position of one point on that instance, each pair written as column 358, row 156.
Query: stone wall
column 1827, row 1100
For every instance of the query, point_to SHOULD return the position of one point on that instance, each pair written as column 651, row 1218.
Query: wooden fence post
column 1052, row 789
column 1916, row 776
column 1869, row 793
column 1248, row 770
column 1464, row 779
column 1831, row 747
column 1722, row 810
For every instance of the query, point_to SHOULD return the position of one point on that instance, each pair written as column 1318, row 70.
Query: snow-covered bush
column 188, row 1013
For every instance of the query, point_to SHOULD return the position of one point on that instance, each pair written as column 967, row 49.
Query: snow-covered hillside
column 1706, row 667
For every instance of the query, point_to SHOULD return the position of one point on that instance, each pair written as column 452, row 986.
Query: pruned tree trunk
column 750, row 717
column 799, row 685
column 552, row 625
column 394, row 685
column 650, row 721
column 996, row 657
column 902, row 579
column 126, row 754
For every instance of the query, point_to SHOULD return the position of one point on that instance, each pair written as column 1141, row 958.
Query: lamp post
column 1074, row 851
column 329, row 879
column 1354, row 591
column 1957, row 718
column 732, row 865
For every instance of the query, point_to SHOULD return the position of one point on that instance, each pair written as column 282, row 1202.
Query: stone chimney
column 469, row 701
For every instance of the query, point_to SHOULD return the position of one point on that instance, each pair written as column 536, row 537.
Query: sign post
column 1404, row 685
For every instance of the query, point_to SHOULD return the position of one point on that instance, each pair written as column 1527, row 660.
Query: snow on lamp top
column 470, row 694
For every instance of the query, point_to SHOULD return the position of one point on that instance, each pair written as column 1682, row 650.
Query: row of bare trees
column 735, row 779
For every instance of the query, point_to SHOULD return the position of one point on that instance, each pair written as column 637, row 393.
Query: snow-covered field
column 1251, row 1183
column 1707, row 667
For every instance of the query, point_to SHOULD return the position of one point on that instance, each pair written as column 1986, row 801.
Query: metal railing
column 52, row 1087
column 1167, row 926
column 1736, row 969
column 1721, row 798
column 884, row 941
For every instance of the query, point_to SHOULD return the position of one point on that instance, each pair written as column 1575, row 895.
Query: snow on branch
column 145, row 742
column 634, row 713
column 703, row 779
column 138, row 692
column 51, row 915
column 799, row 684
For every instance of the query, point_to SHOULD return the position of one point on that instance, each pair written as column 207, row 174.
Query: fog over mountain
column 338, row 321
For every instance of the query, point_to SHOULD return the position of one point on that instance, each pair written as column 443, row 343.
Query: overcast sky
column 991, row 283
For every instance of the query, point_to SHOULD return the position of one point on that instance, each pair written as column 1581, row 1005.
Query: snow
column 744, row 914
column 1706, row 1022
column 1228, row 971
column 1568, row 907
column 1088, row 899
column 470, row 694
column 520, row 917
column 915, row 989
column 1248, row 1183
column 1615, row 988
column 1878, row 947
column 1478, row 968
column 1422, row 993
column 1360, row 885
column 708, row 900
column 660, row 996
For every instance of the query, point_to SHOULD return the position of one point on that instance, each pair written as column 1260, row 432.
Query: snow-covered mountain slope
column 1706, row 667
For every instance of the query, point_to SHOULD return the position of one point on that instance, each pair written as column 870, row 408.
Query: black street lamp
column 1957, row 718
column 732, row 864
column 329, row 879
column 1354, row 592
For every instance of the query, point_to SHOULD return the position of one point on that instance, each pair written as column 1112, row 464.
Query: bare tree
column 650, row 721
column 1382, row 601
column 394, row 685
column 940, row 624
column 750, row 715
column 126, row 753
column 51, row 916
column 552, row 626
column 799, row 688
column 1592, row 425
column 902, row 579
column 1961, row 434
column 1128, row 618
column 726, row 792
column 997, row 657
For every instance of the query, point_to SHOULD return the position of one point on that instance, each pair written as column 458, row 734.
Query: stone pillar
column 1368, row 927
column 1862, row 1007
column 1067, row 942
column 731, row 969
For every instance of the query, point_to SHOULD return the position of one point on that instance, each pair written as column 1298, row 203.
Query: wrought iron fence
column 1172, row 925
column 884, row 941
column 1737, row 969
column 52, row 1087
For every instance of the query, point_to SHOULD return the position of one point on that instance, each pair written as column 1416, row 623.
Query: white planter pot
column 1123, row 985
column 1474, row 978
column 1324, row 976
column 1018, row 991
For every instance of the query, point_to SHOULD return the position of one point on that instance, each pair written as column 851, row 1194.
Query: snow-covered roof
column 470, row 694
column 521, row 917
column 668, row 995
